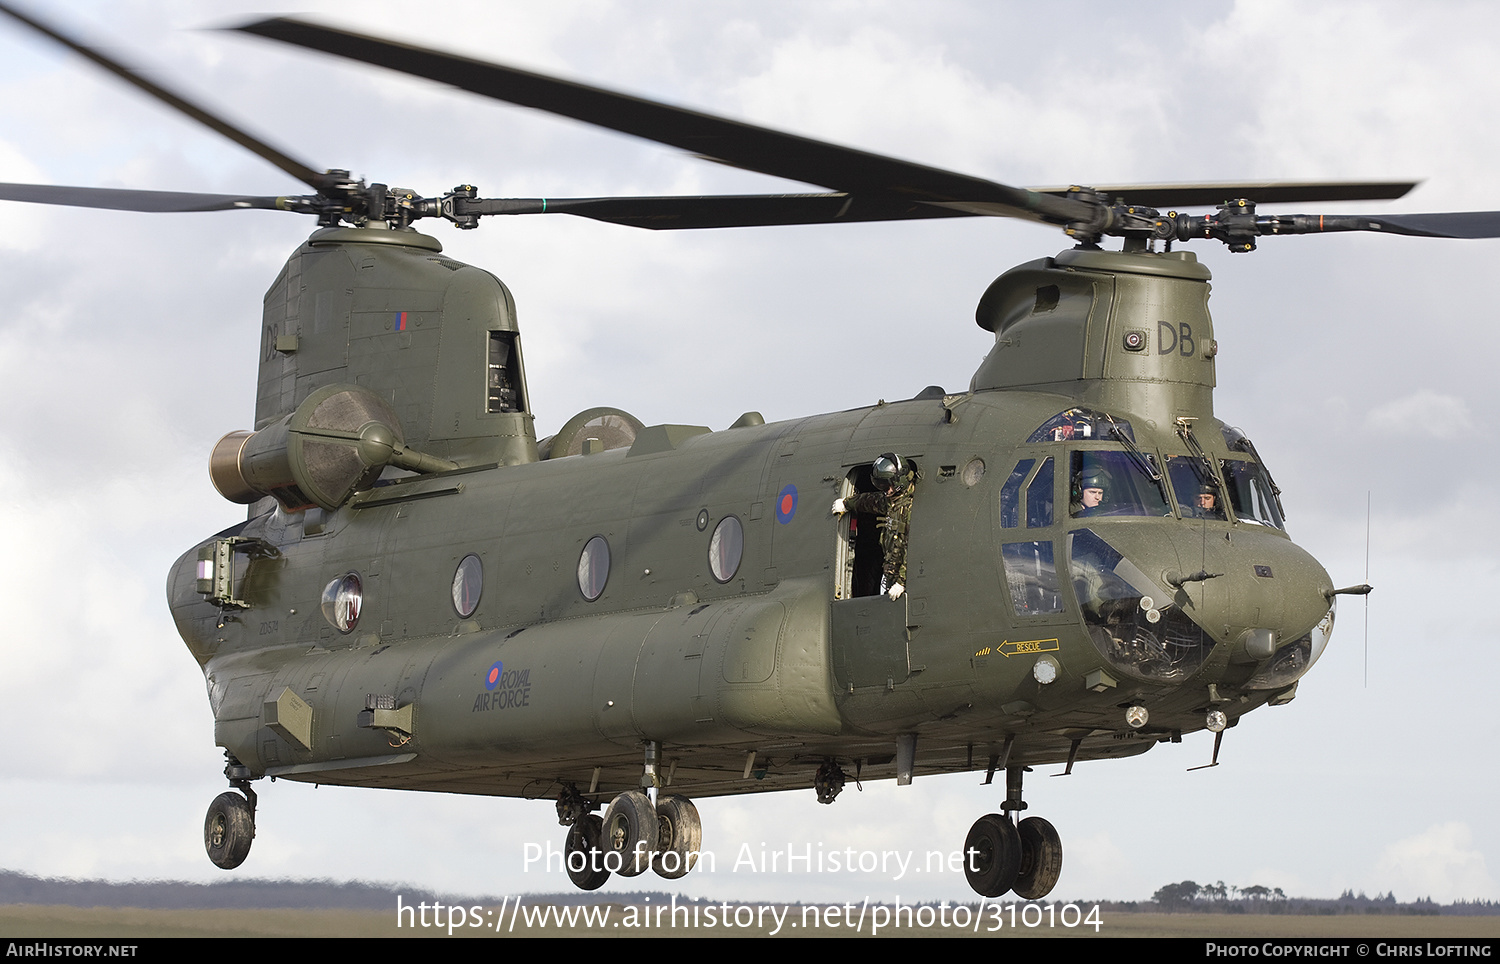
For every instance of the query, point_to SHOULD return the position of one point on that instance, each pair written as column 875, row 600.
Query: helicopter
column 933, row 478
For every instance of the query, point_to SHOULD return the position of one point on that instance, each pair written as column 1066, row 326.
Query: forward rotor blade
column 287, row 163
column 1240, row 230
column 1261, row 192
column 1451, row 224
column 741, row 145
column 161, row 202
column 679, row 213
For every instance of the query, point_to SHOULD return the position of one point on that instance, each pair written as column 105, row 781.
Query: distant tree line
column 1218, row 897
column 1182, row 895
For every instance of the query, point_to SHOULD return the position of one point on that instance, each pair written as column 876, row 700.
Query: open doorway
column 869, row 632
column 860, row 557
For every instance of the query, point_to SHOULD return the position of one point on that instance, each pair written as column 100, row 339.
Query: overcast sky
column 1358, row 364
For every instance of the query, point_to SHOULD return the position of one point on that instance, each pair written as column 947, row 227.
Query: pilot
column 895, row 480
column 1090, row 495
column 1207, row 504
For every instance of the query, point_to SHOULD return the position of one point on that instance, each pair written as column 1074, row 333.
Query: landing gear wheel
column 992, row 855
column 1041, row 859
column 630, row 833
column 582, row 854
column 228, row 830
column 680, row 835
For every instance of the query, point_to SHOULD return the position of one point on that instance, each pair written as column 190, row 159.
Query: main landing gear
column 634, row 834
column 1001, row 855
column 229, row 828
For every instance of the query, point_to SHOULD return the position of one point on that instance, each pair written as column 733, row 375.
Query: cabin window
column 342, row 600
column 725, row 548
column 468, row 585
column 593, row 568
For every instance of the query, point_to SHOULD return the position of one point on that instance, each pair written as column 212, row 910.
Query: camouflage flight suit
column 895, row 518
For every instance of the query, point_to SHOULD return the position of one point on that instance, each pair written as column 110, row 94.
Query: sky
column 1360, row 365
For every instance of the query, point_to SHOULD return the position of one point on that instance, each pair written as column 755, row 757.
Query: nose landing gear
column 1000, row 855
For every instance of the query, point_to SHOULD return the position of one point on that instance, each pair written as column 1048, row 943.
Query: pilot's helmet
column 1095, row 481
column 890, row 470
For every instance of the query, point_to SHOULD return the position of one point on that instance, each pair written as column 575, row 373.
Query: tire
column 1041, row 859
column 992, row 855
column 680, row 836
column 629, row 834
column 587, row 871
column 228, row 830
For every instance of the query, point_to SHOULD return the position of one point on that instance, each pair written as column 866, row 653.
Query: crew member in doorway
column 895, row 480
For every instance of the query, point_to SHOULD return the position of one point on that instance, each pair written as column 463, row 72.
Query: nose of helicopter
column 1161, row 606
column 1249, row 586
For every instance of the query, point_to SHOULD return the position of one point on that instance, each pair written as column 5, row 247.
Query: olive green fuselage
column 751, row 683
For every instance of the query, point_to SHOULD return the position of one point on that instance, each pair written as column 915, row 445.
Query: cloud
column 1423, row 414
column 1440, row 862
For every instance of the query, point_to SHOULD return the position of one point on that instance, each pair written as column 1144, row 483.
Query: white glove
column 895, row 591
column 838, row 507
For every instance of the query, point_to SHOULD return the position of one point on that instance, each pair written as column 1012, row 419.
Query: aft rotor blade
column 1261, row 192
column 287, row 163
column 733, row 142
column 163, row 202
column 680, row 213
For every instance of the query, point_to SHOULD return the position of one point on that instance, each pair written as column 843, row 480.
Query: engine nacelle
column 335, row 443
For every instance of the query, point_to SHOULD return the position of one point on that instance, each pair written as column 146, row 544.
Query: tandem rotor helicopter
column 623, row 617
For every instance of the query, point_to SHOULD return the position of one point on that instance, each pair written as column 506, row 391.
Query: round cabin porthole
column 726, row 548
column 468, row 585
column 973, row 472
column 593, row 568
column 342, row 599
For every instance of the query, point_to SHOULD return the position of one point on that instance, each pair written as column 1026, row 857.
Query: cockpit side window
column 1237, row 441
column 1113, row 483
column 1031, row 576
column 1010, row 494
column 1039, row 497
column 1251, row 493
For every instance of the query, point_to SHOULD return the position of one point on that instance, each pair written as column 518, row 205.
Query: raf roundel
column 492, row 676
column 786, row 504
